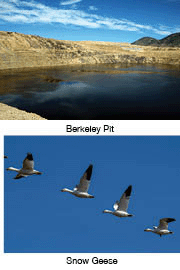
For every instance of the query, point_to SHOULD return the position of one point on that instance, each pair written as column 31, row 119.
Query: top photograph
column 89, row 60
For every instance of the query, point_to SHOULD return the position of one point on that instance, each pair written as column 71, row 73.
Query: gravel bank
column 11, row 113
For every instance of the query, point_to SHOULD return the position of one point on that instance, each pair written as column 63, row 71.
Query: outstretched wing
column 163, row 223
column 85, row 180
column 20, row 175
column 28, row 163
column 122, row 205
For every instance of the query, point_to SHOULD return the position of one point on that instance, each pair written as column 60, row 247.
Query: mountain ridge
column 172, row 40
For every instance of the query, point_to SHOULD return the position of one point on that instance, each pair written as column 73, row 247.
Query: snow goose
column 121, row 206
column 27, row 169
column 162, row 228
column 81, row 190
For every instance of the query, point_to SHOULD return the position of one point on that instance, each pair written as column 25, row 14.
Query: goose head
column 66, row 190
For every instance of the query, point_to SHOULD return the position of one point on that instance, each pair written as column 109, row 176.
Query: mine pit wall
column 21, row 51
column 34, row 59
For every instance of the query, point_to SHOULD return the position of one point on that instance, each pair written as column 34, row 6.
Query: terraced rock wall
column 20, row 51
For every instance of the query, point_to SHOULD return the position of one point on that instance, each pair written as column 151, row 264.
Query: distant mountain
column 172, row 40
column 146, row 41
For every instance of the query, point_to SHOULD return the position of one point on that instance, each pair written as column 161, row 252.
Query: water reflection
column 64, row 90
column 97, row 92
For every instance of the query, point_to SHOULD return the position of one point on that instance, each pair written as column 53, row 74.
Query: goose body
column 162, row 229
column 81, row 190
column 27, row 169
column 121, row 206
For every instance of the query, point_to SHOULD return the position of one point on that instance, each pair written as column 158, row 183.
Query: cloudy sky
column 115, row 20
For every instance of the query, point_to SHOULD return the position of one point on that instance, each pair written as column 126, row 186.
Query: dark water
column 95, row 92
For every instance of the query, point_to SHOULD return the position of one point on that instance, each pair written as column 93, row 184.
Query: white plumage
column 81, row 190
column 162, row 228
column 121, row 206
column 27, row 169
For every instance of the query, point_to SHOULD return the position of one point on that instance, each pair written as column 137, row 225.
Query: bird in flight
column 27, row 169
column 121, row 206
column 162, row 227
column 81, row 190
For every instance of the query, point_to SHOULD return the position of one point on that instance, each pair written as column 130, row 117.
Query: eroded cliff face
column 20, row 51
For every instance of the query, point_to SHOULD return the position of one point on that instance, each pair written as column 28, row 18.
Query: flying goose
column 27, row 169
column 162, row 228
column 121, row 206
column 81, row 190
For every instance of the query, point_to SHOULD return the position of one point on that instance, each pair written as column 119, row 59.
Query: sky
column 115, row 20
column 40, row 218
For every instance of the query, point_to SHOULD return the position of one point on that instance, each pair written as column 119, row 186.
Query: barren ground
column 20, row 51
column 10, row 113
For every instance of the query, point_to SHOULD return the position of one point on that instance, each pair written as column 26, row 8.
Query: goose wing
column 85, row 180
column 20, row 175
column 28, row 162
column 122, row 204
column 163, row 223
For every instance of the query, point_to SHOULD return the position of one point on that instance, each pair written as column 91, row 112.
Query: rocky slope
column 10, row 113
column 20, row 51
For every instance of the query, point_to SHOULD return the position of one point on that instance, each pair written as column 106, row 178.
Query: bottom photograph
column 91, row 194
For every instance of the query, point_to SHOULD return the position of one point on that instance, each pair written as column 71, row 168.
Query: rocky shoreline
column 10, row 113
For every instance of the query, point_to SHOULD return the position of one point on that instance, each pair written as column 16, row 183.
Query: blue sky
column 115, row 20
column 39, row 218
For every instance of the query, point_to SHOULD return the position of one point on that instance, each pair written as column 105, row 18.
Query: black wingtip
column 128, row 191
column 170, row 220
column 18, row 177
column 29, row 156
column 89, row 171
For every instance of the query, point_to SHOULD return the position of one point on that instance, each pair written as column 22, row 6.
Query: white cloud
column 92, row 8
column 14, row 1
column 23, row 11
column 70, row 2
